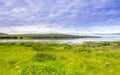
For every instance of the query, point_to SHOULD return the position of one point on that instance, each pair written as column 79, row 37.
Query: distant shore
column 42, row 36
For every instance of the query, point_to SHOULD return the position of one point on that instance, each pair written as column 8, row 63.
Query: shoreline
column 43, row 36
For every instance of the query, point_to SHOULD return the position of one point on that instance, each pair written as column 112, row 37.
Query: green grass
column 29, row 58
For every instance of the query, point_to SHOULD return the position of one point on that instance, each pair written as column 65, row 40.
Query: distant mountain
column 108, row 34
column 1, row 33
column 116, row 34
column 43, row 36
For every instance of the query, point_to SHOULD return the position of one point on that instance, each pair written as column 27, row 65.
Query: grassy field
column 31, row 58
column 42, row 36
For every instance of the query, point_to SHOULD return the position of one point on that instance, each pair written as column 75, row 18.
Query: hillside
column 42, row 36
column 1, row 33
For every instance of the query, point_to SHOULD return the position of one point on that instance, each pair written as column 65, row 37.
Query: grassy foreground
column 31, row 58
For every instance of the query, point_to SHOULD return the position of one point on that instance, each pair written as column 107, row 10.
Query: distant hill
column 108, row 34
column 1, row 33
column 116, row 34
column 43, row 36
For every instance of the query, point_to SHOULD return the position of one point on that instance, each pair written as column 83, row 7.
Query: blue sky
column 59, row 16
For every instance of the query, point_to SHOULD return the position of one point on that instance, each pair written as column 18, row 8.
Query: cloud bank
column 44, row 16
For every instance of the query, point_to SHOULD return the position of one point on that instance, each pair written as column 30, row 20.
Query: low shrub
column 82, row 48
column 42, row 56
column 55, row 68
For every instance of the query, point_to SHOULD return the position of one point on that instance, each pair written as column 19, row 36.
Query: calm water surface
column 80, row 40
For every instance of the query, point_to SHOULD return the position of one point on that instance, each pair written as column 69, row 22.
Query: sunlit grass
column 31, row 58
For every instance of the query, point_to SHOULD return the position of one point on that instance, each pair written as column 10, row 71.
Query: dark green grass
column 29, row 58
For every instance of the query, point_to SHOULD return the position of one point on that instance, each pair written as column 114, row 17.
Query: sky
column 59, row 16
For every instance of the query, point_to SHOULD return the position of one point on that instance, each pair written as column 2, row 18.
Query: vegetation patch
column 42, row 56
column 45, row 69
column 30, row 58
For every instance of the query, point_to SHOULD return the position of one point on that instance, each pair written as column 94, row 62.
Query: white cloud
column 56, row 13
column 52, row 29
column 34, row 29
